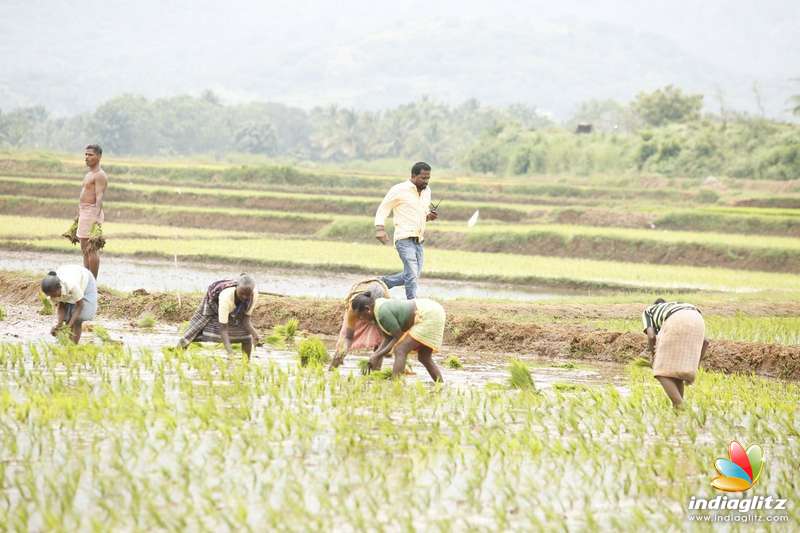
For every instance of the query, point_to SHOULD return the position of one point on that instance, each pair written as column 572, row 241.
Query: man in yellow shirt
column 410, row 205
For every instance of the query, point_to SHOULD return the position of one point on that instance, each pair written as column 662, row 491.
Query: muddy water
column 24, row 324
column 127, row 274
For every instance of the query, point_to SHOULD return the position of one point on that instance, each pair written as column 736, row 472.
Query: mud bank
column 485, row 328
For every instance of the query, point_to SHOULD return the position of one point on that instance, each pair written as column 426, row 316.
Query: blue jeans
column 411, row 255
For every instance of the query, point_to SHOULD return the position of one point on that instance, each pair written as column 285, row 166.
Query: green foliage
column 101, row 333
column 312, row 352
column 146, row 320
column 2, row 313
column 520, row 375
column 453, row 362
column 47, row 304
column 282, row 334
column 667, row 105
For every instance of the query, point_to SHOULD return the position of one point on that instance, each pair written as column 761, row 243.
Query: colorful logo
column 741, row 470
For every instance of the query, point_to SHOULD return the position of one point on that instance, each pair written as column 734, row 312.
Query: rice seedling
column 2, row 313
column 229, row 444
column 312, row 352
column 520, row 375
column 101, row 333
column 47, row 304
column 282, row 334
column 453, row 362
column 146, row 320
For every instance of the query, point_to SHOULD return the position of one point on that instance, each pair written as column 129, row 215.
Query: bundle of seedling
column 96, row 239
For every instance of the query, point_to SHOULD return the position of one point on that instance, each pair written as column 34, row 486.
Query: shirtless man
column 90, row 208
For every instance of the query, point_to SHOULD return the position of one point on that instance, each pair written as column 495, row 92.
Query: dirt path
column 479, row 329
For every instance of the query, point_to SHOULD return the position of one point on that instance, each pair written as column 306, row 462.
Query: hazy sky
column 67, row 54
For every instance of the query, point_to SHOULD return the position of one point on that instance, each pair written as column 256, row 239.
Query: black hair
column 660, row 301
column 419, row 167
column 50, row 282
column 361, row 302
column 95, row 148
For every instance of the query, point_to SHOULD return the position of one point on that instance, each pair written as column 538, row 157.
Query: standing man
column 90, row 206
column 410, row 205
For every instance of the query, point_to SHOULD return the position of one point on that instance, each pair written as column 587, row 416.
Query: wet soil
column 471, row 328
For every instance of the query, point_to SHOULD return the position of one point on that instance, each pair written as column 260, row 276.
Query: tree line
column 663, row 131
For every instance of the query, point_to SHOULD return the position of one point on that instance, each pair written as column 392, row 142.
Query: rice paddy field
column 126, row 435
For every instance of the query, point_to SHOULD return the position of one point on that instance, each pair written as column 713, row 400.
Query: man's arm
column 651, row 340
column 384, row 209
column 76, row 313
column 100, row 186
column 61, row 312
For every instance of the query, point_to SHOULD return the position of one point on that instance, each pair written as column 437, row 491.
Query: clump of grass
column 641, row 361
column 2, row 313
column 312, row 352
column 101, row 333
column 64, row 335
column 386, row 373
column 363, row 366
column 520, row 375
column 47, row 304
column 283, row 333
column 453, row 362
column 146, row 321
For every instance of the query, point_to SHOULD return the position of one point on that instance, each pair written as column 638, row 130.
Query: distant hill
column 71, row 57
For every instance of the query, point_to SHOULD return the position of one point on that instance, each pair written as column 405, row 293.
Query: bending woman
column 408, row 325
column 74, row 289
column 224, row 315
column 355, row 332
column 676, row 338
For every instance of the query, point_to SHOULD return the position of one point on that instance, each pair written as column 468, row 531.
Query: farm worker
column 74, row 290
column 410, row 203
column 224, row 315
column 355, row 332
column 90, row 206
column 407, row 325
column 676, row 338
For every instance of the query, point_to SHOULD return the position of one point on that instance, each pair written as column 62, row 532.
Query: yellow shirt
column 74, row 279
column 410, row 209
column 227, row 305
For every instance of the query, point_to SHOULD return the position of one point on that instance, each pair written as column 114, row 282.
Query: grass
column 283, row 334
column 2, row 313
column 453, row 362
column 312, row 352
column 453, row 264
column 193, row 441
column 520, row 375
column 740, row 327
column 47, row 304
column 146, row 321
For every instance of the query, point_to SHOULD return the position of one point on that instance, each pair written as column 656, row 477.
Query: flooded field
column 128, row 274
column 109, row 436
column 24, row 324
